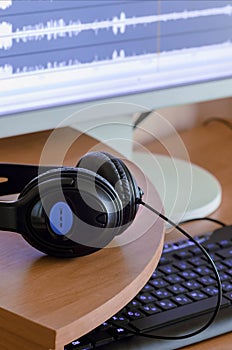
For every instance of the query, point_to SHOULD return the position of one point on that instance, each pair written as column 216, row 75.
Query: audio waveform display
column 54, row 29
column 110, row 42
column 74, row 33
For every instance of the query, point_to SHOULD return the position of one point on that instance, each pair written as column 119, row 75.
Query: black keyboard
column 179, row 297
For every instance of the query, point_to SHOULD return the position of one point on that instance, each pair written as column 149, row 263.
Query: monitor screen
column 56, row 55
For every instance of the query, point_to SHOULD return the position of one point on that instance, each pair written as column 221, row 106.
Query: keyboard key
column 197, row 295
column 159, row 283
column 119, row 333
column 228, row 262
column 182, row 265
column 100, row 338
column 196, row 261
column 145, row 298
column 203, row 270
column 229, row 295
column 177, row 289
column 150, row 309
column 183, row 254
column 225, row 253
column 213, row 256
column 211, row 247
column 224, row 276
column 134, row 304
column 210, row 290
column 188, row 274
column 147, row 288
column 168, row 269
column 105, row 326
column 179, row 313
column 83, row 343
column 225, row 243
column 196, row 250
column 173, row 279
column 227, row 286
column 156, row 274
column 207, row 280
column 164, row 260
column 162, row 293
column 181, row 299
column 133, row 315
column 220, row 266
column 120, row 320
column 182, row 244
column 166, row 304
column 192, row 285
column 167, row 247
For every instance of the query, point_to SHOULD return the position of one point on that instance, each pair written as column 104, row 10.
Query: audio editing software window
column 55, row 52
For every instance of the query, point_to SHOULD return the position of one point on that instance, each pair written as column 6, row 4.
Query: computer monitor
column 60, row 56
column 82, row 63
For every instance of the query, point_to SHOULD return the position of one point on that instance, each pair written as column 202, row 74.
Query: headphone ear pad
column 73, row 188
column 118, row 175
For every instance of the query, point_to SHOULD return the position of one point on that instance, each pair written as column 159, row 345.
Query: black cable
column 220, row 120
column 200, row 219
column 219, row 286
column 141, row 118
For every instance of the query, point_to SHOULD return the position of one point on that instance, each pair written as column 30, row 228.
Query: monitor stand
column 187, row 191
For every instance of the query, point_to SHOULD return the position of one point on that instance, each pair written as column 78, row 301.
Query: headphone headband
column 69, row 211
column 18, row 176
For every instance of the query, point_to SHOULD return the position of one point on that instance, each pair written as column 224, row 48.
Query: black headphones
column 70, row 211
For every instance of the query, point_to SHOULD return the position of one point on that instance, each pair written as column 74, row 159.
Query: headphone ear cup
column 90, row 199
column 118, row 175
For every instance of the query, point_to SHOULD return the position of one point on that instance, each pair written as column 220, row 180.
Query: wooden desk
column 210, row 147
column 45, row 302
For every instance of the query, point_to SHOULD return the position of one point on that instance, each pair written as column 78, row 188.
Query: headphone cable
column 214, row 268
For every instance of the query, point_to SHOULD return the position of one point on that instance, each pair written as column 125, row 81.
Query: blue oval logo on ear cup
column 61, row 218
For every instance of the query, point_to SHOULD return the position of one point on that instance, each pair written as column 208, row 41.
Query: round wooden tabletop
column 48, row 302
